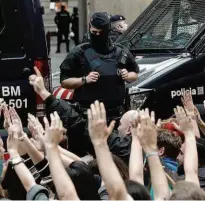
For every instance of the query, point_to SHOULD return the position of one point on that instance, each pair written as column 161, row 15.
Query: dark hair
column 84, row 181
column 170, row 142
column 75, row 10
column 184, row 190
column 137, row 191
column 62, row 7
column 122, row 167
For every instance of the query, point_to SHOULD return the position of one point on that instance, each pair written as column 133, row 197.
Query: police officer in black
column 63, row 20
column 98, row 70
column 118, row 27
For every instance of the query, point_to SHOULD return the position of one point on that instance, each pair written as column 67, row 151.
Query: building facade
column 131, row 9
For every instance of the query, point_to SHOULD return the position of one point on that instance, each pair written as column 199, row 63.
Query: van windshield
column 170, row 24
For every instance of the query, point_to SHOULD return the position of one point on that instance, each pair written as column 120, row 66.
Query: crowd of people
column 41, row 167
column 79, row 153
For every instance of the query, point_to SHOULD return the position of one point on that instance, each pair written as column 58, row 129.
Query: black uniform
column 75, row 26
column 114, row 35
column 110, row 88
column 63, row 21
column 102, row 57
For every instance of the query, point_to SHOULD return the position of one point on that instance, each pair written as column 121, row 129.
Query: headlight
column 138, row 97
column 137, row 100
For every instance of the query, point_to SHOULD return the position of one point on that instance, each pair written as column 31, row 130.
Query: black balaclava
column 100, row 43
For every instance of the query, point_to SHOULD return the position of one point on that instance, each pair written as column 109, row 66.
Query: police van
column 22, row 46
column 168, row 41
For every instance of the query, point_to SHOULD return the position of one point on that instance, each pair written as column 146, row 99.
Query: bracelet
column 84, row 81
column 152, row 154
column 14, row 157
column 13, row 165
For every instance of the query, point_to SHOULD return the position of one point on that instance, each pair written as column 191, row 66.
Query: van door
column 169, row 88
column 15, row 58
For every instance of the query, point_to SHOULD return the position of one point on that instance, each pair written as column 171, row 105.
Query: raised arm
column 190, row 154
column 99, row 133
column 36, row 80
column 64, row 186
column 136, row 172
column 147, row 134
column 12, row 145
column 190, row 110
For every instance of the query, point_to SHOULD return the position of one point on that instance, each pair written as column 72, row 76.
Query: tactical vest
column 110, row 88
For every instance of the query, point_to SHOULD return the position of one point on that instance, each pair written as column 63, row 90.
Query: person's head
column 168, row 144
column 122, row 167
column 99, row 29
column 62, row 8
column 84, row 181
column 185, row 8
column 118, row 23
column 184, row 190
column 75, row 10
column 200, row 143
column 137, row 191
column 125, row 123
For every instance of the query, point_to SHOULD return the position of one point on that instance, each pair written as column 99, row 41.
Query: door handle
column 26, row 71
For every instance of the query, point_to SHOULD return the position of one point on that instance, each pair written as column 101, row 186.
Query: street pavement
column 56, row 60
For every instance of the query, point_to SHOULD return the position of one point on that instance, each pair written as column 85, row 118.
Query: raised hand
column 184, row 121
column 188, row 104
column 135, row 122
column 37, row 81
column 54, row 132
column 16, row 124
column 2, row 105
column 7, row 118
column 37, row 132
column 97, row 123
column 147, row 131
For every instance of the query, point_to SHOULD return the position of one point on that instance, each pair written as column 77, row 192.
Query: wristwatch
column 84, row 81
column 15, row 161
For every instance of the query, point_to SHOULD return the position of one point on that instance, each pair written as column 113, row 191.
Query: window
column 169, row 25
